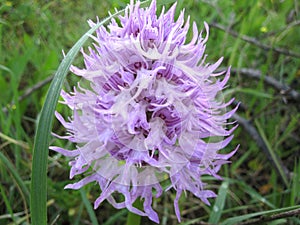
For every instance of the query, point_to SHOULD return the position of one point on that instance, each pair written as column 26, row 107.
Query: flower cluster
column 152, row 106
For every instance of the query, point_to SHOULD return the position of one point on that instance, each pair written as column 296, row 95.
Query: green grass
column 32, row 37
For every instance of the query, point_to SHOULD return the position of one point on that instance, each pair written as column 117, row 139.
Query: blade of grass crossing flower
column 89, row 208
column 218, row 207
column 275, row 160
column 41, row 143
column 42, row 137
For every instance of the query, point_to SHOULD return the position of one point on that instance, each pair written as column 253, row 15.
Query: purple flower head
column 150, row 112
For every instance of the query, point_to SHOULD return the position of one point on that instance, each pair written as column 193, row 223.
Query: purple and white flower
column 150, row 112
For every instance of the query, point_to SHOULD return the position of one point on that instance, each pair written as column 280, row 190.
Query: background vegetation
column 258, row 38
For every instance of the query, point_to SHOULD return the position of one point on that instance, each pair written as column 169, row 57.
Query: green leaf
column 292, row 125
column 11, row 168
column 276, row 161
column 133, row 218
column 218, row 207
column 42, row 137
column 116, row 217
column 249, row 91
column 6, row 69
column 88, row 207
column 238, row 219
column 255, row 196
column 7, row 204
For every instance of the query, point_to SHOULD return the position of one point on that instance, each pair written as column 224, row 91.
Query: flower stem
column 132, row 218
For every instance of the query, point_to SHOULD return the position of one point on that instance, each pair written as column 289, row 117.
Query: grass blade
column 218, row 207
column 79, row 214
column 116, row 217
column 238, row 219
column 275, row 160
column 16, row 176
column 42, row 137
column 7, row 204
column 89, row 208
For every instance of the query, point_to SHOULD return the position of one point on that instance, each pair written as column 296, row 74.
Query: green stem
column 132, row 218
